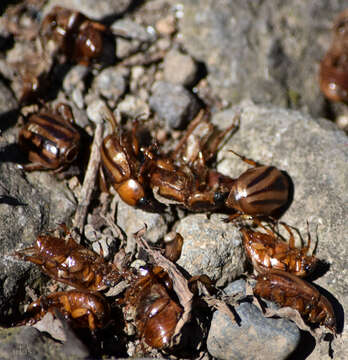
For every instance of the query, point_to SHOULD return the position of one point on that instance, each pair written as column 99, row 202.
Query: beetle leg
column 194, row 123
column 292, row 238
column 32, row 258
column 246, row 160
column 102, row 181
column 66, row 304
column 305, row 249
column 219, row 137
column 233, row 217
column 33, row 167
column 269, row 231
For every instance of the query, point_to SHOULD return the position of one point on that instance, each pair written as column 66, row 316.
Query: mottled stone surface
column 132, row 220
column 94, row 9
column 111, row 83
column 211, row 247
column 266, row 51
column 27, row 343
column 179, row 68
column 173, row 103
column 253, row 337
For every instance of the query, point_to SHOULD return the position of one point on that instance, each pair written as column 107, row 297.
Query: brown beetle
column 289, row 290
column 259, row 191
column 69, row 262
column 50, row 139
column 157, row 314
column 333, row 74
column 268, row 251
column 76, row 36
column 87, row 310
column 123, row 166
column 184, row 176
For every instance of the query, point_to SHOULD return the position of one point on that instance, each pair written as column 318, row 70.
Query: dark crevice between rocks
column 328, row 110
column 304, row 348
column 8, row 119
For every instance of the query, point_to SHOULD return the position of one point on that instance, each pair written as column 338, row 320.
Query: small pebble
column 126, row 47
column 130, row 29
column 74, row 78
column 111, row 83
column 166, row 25
column 134, row 106
column 96, row 110
column 179, row 68
column 96, row 10
column 173, row 103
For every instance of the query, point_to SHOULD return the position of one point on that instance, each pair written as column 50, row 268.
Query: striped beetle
column 259, row 191
column 50, row 139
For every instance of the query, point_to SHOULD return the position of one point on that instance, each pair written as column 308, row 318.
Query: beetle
column 289, row 290
column 87, row 310
column 333, row 73
column 123, row 166
column 259, row 191
column 156, row 311
column 183, row 175
column 69, row 262
column 79, row 38
column 268, row 251
column 50, row 139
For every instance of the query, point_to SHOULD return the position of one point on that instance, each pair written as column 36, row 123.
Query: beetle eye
column 71, row 154
column 220, row 197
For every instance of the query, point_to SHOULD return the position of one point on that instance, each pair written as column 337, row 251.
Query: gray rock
column 93, row 9
column 211, row 247
column 131, row 29
column 27, row 343
column 61, row 201
column 173, row 103
column 131, row 220
column 95, row 110
column 266, row 51
column 126, row 47
column 133, row 106
column 8, row 102
column 75, row 78
column 255, row 337
column 179, row 68
column 111, row 83
column 23, row 212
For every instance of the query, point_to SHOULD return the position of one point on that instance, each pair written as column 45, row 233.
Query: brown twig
column 90, row 178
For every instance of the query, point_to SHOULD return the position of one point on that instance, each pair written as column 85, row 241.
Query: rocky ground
column 256, row 58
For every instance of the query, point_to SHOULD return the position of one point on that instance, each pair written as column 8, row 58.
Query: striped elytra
column 50, row 139
column 114, row 160
column 259, row 191
column 119, row 165
column 123, row 166
column 75, row 35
